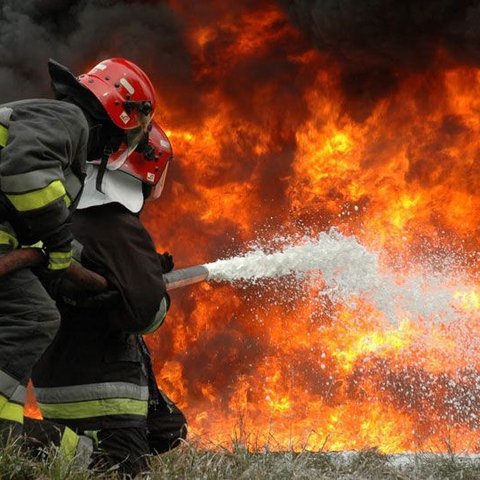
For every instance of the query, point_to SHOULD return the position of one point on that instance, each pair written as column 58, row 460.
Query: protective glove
column 52, row 275
column 166, row 261
column 57, row 251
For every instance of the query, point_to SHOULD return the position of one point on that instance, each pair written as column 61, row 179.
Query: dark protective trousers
column 128, row 449
column 29, row 321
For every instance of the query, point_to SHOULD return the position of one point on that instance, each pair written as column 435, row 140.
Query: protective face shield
column 132, row 140
column 149, row 163
column 158, row 189
column 130, row 179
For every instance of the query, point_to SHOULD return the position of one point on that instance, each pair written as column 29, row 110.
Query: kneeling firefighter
column 96, row 377
column 44, row 146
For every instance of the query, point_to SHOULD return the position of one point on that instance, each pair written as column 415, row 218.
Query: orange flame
column 270, row 368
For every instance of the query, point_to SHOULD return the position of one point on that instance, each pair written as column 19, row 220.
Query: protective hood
column 117, row 187
column 66, row 87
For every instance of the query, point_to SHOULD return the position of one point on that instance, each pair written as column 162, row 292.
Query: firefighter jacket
column 43, row 148
column 94, row 375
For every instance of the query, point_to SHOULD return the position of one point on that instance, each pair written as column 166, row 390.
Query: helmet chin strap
column 107, row 151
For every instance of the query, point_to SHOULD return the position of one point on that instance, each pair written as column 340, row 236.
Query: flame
column 268, row 368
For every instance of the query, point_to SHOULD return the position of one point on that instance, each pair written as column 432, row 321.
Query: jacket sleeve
column 43, row 141
column 116, row 244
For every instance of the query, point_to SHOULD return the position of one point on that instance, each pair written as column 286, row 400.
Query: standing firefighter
column 97, row 375
column 44, row 146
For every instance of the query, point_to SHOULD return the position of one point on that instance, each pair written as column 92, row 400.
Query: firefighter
column 96, row 377
column 44, row 146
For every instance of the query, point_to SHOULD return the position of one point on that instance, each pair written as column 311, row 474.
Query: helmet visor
column 132, row 140
column 158, row 188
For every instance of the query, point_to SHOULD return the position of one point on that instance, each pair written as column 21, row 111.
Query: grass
column 15, row 464
column 192, row 461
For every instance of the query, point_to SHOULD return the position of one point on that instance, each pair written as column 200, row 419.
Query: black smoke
column 78, row 33
column 379, row 42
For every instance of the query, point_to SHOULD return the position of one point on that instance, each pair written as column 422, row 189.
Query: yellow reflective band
column 67, row 200
column 10, row 411
column 3, row 135
column 38, row 198
column 69, row 443
column 59, row 260
column 60, row 256
column 7, row 239
column 38, row 244
column 94, row 408
column 58, row 266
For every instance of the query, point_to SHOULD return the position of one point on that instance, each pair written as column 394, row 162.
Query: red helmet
column 124, row 90
column 151, row 165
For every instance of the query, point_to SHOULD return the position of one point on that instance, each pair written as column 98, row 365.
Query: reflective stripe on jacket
column 92, row 377
column 94, row 400
column 8, row 239
column 12, row 398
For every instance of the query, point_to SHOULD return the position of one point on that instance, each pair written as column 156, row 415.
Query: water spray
column 341, row 265
column 345, row 272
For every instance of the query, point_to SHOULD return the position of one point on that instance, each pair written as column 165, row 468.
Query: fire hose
column 91, row 281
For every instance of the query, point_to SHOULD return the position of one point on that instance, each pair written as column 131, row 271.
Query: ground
column 194, row 462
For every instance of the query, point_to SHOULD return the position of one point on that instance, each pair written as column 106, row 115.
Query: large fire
column 282, row 153
column 273, row 146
